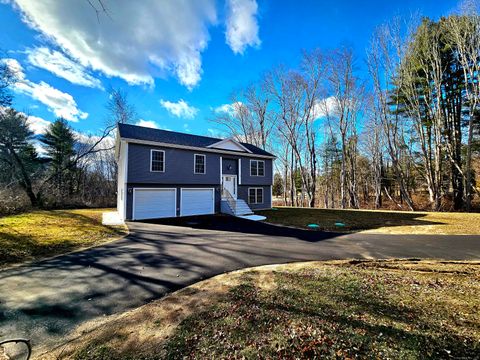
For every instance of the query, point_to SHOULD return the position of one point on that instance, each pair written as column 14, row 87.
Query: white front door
column 230, row 184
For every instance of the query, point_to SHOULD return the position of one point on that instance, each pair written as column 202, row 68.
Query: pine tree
column 17, row 154
column 277, row 189
column 432, row 94
column 59, row 141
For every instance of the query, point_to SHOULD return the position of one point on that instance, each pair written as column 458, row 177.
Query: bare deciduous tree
column 296, row 95
column 342, row 109
column 247, row 117
column 120, row 110
column 384, row 58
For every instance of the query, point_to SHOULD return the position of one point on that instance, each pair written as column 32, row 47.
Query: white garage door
column 154, row 203
column 197, row 202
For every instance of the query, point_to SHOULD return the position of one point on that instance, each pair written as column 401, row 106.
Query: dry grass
column 39, row 234
column 398, row 309
column 378, row 221
column 144, row 330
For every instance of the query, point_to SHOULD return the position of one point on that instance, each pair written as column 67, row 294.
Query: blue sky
column 178, row 60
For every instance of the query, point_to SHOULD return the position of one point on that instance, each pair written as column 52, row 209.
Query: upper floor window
column 199, row 164
column 257, row 168
column 157, row 160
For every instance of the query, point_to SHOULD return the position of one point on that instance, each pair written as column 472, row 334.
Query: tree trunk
column 25, row 182
column 343, row 177
column 468, row 165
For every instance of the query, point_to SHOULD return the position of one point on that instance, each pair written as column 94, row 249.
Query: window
column 157, row 161
column 261, row 168
column 257, row 168
column 199, row 164
column 255, row 195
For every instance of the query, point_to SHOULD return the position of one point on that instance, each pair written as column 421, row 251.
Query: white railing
column 230, row 199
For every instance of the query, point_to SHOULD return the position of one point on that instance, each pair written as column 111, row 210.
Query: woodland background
column 405, row 136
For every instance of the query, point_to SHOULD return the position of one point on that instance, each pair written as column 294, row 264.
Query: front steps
column 238, row 207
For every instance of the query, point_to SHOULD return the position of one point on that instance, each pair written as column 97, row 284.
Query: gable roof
column 229, row 144
column 135, row 132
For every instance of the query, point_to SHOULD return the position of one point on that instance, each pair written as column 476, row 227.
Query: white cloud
column 324, row 107
column 147, row 123
column 230, row 109
column 104, row 143
column 135, row 40
column 60, row 65
column 39, row 147
column 242, row 25
column 225, row 108
column 179, row 109
column 38, row 125
column 216, row 133
column 60, row 103
column 15, row 67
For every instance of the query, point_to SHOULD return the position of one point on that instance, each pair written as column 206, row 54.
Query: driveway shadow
column 238, row 225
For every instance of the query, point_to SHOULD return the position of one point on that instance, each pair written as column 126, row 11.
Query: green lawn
column 388, row 222
column 40, row 234
column 325, row 310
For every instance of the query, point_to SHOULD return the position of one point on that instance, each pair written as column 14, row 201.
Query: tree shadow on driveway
column 239, row 225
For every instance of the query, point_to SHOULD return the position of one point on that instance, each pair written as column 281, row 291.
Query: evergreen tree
column 7, row 78
column 18, row 157
column 59, row 141
column 277, row 189
column 431, row 92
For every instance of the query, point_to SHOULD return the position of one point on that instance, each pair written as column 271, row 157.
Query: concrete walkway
column 46, row 300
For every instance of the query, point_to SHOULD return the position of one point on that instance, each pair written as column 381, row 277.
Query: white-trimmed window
column 199, row 164
column 255, row 195
column 157, row 161
column 257, row 168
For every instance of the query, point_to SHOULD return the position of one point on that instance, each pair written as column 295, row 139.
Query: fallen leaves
column 340, row 310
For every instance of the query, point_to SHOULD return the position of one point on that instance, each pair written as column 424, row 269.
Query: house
column 166, row 174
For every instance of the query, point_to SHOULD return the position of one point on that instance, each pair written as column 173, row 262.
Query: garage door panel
column 197, row 202
column 154, row 203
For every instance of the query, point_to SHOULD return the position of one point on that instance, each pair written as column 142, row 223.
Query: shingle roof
column 172, row 137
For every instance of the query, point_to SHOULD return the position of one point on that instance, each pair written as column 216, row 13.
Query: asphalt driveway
column 46, row 300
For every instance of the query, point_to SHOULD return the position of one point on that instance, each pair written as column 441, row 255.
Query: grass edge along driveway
column 45, row 233
column 335, row 309
column 377, row 221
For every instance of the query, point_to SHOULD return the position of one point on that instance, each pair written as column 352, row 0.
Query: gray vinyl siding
column 131, row 186
column 245, row 171
column 256, row 180
column 229, row 162
column 243, row 194
column 179, row 167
